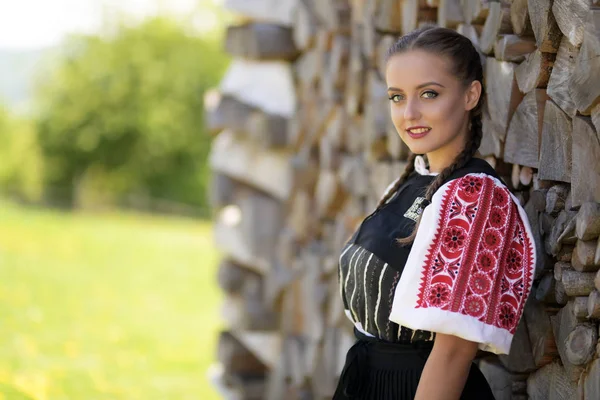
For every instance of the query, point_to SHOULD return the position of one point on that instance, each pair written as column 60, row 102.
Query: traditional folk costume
column 468, row 273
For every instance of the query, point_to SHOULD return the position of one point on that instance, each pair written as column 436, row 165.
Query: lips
column 418, row 131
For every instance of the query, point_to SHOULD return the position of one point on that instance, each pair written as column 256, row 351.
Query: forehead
column 407, row 70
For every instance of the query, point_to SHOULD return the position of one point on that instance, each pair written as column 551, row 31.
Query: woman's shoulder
column 475, row 166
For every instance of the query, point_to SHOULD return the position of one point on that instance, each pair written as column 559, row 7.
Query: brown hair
column 466, row 66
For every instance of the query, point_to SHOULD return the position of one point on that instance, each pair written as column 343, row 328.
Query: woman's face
column 429, row 105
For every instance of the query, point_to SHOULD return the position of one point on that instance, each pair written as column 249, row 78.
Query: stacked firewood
column 305, row 147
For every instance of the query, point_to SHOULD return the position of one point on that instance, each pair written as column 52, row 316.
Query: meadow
column 106, row 306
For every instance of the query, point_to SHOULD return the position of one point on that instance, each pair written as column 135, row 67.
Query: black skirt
column 378, row 370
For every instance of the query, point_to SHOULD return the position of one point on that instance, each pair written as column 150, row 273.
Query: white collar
column 421, row 167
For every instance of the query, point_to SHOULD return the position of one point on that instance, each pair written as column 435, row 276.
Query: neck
column 444, row 156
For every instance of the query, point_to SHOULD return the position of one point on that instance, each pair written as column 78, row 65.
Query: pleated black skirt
column 377, row 370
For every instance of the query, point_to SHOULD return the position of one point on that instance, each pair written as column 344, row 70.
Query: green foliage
column 20, row 159
column 122, row 115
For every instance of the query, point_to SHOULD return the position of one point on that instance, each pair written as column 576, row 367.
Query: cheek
column 396, row 113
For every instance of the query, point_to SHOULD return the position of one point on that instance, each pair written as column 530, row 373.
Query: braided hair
column 466, row 64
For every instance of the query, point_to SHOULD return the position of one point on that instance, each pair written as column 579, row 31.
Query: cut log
column 556, row 148
column 591, row 387
column 236, row 358
column 356, row 75
column 562, row 325
column 585, row 78
column 266, row 346
column 581, row 344
column 499, row 378
column 261, row 41
column 523, row 136
column 563, row 232
column 329, row 195
column 543, row 344
column 519, row 17
column 491, row 142
column 472, row 32
column 513, row 48
column 570, row 16
column 545, row 29
column 388, row 16
column 560, row 295
column 222, row 190
column 580, row 307
column 354, row 176
column 558, row 85
column 267, row 85
column 597, row 281
column 526, row 176
column 305, row 25
column 584, row 256
column 539, row 382
column 338, row 61
column 268, row 171
column 383, row 46
column 277, row 11
column 231, row 276
column 585, row 176
column 229, row 238
column 449, row 14
column 596, row 117
column 578, row 283
column 593, row 305
column 334, row 15
column 556, row 198
column 502, row 94
column 535, row 71
column 475, row 11
column 545, row 292
column 262, row 217
column 520, row 358
column 414, row 13
column 497, row 23
column 565, row 253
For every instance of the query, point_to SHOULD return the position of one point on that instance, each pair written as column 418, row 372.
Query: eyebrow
column 418, row 87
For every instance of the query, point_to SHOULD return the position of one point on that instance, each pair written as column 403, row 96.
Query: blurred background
column 107, row 267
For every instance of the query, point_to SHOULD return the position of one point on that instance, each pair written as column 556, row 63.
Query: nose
column 411, row 110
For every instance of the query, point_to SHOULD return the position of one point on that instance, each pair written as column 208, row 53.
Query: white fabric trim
column 404, row 311
column 421, row 167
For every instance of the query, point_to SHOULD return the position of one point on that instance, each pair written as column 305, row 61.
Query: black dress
column 387, row 359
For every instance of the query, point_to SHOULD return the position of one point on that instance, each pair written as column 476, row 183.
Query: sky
column 30, row 24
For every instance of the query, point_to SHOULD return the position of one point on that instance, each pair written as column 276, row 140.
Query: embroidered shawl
column 471, row 266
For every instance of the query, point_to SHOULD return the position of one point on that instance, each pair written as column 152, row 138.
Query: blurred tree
column 122, row 115
column 20, row 158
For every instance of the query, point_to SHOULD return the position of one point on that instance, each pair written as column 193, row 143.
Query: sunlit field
column 109, row 306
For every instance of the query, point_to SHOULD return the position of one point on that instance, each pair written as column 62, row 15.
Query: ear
column 472, row 95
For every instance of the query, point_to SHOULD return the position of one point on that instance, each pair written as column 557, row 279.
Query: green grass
column 111, row 306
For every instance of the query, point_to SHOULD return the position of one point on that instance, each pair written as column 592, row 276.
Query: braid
column 460, row 161
column 410, row 167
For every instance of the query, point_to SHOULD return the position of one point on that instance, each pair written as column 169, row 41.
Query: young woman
column 444, row 265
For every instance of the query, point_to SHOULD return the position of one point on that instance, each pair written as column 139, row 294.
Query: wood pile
column 304, row 148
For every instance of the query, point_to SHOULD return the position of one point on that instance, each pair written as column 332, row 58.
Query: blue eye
column 430, row 94
column 395, row 98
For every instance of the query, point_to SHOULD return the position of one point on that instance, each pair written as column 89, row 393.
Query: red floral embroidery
column 514, row 260
column 492, row 239
column 480, row 283
column 475, row 306
column 454, row 238
column 480, row 261
column 440, row 294
column 507, row 316
column 471, row 184
column 500, row 197
column 497, row 218
column 486, row 261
